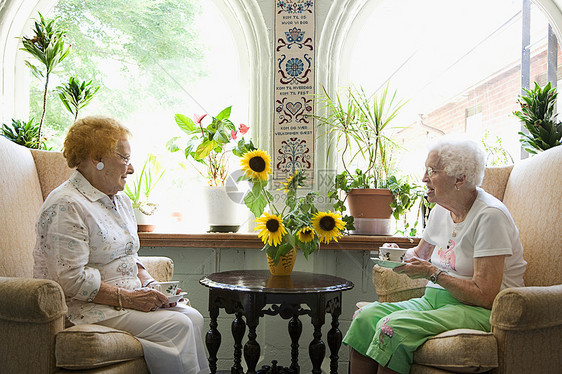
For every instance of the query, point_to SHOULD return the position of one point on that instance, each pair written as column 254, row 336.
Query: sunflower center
column 257, row 164
column 272, row 225
column 307, row 231
column 327, row 223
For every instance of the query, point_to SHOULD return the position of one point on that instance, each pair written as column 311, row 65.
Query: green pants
column 389, row 333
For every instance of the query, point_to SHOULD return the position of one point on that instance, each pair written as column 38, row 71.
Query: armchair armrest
column 31, row 300
column 527, row 308
column 32, row 312
column 391, row 286
column 161, row 268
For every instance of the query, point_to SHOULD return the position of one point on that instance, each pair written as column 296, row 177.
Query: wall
column 191, row 264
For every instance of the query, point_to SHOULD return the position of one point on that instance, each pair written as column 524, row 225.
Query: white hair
column 458, row 157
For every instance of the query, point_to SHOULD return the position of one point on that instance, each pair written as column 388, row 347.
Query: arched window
column 148, row 72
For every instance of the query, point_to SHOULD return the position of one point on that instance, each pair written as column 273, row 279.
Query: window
column 152, row 60
column 457, row 64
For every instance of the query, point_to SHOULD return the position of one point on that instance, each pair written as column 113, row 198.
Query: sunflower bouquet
column 298, row 224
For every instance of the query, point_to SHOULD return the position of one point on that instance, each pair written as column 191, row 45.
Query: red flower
column 233, row 134
column 243, row 129
column 198, row 118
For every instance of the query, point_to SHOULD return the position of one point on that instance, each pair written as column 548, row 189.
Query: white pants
column 171, row 338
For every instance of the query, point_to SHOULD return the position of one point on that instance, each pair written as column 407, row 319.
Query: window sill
column 249, row 241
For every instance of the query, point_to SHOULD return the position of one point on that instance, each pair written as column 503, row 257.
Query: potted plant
column 296, row 225
column 360, row 124
column 539, row 118
column 209, row 147
column 139, row 191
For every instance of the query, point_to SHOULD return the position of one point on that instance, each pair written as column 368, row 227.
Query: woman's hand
column 144, row 299
column 416, row 268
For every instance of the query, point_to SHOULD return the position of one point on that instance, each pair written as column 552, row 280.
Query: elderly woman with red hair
column 87, row 242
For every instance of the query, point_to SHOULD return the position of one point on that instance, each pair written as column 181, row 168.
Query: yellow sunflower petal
column 271, row 229
column 306, row 234
column 256, row 165
column 328, row 226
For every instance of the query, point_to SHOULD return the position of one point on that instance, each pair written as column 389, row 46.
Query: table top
column 262, row 281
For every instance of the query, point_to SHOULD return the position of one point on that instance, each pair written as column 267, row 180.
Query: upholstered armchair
column 33, row 337
column 526, row 322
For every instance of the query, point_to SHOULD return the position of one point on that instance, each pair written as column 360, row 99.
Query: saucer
column 387, row 264
column 176, row 298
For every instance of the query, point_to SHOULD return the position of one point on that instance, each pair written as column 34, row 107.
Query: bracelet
column 146, row 283
column 120, row 307
column 435, row 276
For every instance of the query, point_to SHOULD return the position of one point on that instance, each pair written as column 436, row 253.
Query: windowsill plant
column 208, row 146
column 360, row 125
column 140, row 189
column 298, row 224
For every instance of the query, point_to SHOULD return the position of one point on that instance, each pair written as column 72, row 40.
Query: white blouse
column 83, row 238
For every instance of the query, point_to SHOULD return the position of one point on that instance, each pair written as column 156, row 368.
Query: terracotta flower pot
column 370, row 207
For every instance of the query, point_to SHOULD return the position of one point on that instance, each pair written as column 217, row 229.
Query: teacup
column 392, row 254
column 167, row 288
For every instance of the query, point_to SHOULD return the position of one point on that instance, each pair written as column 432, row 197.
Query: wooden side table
column 247, row 293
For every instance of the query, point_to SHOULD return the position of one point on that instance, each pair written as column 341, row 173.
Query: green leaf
column 204, row 149
column 224, row 114
column 186, row 124
column 256, row 202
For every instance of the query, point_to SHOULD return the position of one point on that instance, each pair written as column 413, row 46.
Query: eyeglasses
column 127, row 160
column 429, row 171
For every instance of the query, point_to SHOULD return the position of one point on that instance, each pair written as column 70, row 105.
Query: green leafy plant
column 209, row 145
column 24, row 133
column 405, row 195
column 360, row 124
column 76, row 94
column 539, row 118
column 143, row 185
column 298, row 224
column 48, row 47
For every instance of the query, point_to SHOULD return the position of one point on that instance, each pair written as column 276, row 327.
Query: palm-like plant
column 144, row 184
column 76, row 94
column 48, row 47
column 539, row 118
column 23, row 133
column 359, row 124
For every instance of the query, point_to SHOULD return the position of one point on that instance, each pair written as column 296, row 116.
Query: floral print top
column 83, row 238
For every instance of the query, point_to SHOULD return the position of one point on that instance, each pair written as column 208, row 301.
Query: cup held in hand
column 167, row 288
column 392, row 254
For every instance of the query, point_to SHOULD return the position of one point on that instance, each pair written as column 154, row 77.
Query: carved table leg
column 252, row 347
column 317, row 348
column 213, row 339
column 295, row 330
column 238, row 330
column 334, row 342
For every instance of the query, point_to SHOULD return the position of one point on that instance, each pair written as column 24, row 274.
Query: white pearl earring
column 100, row 166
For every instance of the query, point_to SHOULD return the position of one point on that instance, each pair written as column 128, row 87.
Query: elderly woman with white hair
column 470, row 250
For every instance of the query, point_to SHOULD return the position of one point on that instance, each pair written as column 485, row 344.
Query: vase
column 224, row 209
column 285, row 265
column 145, row 223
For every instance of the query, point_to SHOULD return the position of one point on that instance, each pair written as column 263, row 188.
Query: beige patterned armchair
column 33, row 337
column 526, row 322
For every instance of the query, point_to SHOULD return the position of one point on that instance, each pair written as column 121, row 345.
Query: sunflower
column 328, row 226
column 256, row 164
column 272, row 229
column 306, row 234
